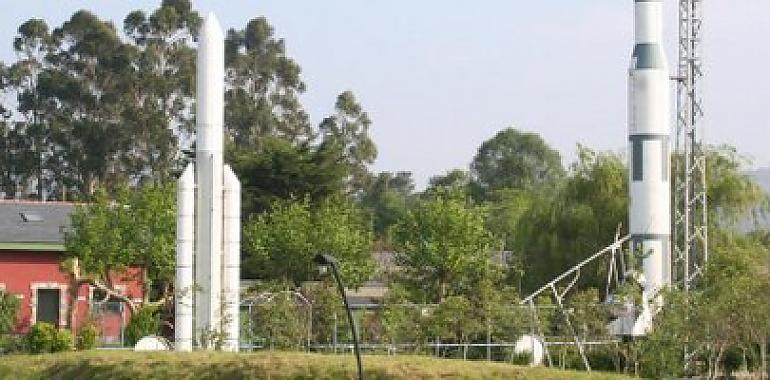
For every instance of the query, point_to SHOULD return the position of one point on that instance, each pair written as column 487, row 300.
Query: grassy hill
column 263, row 365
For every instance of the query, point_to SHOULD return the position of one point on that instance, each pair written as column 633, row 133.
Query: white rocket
column 208, row 219
column 649, row 157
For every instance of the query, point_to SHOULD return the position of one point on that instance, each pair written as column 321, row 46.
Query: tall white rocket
column 649, row 156
column 216, row 209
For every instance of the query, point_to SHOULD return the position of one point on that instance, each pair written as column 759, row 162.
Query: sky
column 439, row 77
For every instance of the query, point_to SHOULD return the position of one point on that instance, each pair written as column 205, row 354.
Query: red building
column 31, row 247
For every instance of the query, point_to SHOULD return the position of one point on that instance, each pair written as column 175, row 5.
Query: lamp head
column 325, row 260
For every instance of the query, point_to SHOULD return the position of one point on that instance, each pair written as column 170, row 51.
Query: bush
column 44, row 337
column 9, row 309
column 603, row 358
column 87, row 337
column 10, row 344
column 144, row 322
column 521, row 358
column 63, row 341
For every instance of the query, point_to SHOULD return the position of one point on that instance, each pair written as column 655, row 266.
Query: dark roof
column 33, row 224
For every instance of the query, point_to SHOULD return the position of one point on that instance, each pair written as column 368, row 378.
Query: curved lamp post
column 330, row 261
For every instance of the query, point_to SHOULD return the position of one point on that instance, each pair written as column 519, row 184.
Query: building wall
column 22, row 273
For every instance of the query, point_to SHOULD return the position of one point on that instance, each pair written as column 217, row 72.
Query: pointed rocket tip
column 210, row 24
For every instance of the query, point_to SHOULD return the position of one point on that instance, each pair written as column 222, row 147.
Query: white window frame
column 35, row 286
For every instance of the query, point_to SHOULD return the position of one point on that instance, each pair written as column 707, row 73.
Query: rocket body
column 216, row 209
column 208, row 157
column 649, row 155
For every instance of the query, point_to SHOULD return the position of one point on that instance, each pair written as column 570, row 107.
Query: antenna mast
column 690, row 229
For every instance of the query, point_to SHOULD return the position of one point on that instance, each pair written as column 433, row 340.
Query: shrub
column 40, row 338
column 144, row 322
column 44, row 337
column 521, row 358
column 10, row 344
column 63, row 341
column 9, row 309
column 87, row 337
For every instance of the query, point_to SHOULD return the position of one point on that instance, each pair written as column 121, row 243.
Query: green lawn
column 263, row 365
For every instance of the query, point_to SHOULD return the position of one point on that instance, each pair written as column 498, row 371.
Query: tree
column 281, row 244
column 727, row 310
column 108, row 237
column 263, row 88
column 387, row 198
column 514, row 159
column 159, row 94
column 282, row 170
column 453, row 181
column 566, row 225
column 348, row 130
column 32, row 141
column 443, row 249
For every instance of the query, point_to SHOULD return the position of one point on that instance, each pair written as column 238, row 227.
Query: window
column 30, row 217
column 637, row 155
column 48, row 306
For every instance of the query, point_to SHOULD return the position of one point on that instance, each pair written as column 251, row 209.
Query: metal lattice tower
column 690, row 219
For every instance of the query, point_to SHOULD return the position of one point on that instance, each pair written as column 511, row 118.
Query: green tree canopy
column 566, row 225
column 281, row 244
column 136, row 229
column 443, row 249
column 514, row 159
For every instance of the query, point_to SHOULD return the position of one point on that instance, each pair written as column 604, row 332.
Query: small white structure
column 208, row 216
column 529, row 344
column 152, row 343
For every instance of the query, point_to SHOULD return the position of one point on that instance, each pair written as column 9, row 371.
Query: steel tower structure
column 690, row 203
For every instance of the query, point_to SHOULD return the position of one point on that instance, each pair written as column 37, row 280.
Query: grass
column 262, row 365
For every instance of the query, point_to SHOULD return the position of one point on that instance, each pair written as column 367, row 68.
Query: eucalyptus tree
column 28, row 139
column 85, row 86
column 263, row 88
column 160, row 91
column 348, row 129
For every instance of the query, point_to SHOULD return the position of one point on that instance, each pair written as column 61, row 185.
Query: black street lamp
column 330, row 261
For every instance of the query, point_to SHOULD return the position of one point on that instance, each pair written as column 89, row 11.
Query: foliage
column 278, row 316
column 144, row 322
column 44, row 337
column 514, row 160
column 732, row 194
column 726, row 312
column 9, row 311
column 401, row 319
column 443, row 248
column 348, row 130
column 387, row 198
column 87, row 337
column 281, row 245
column 280, row 170
column 449, row 320
column 137, row 228
column 263, row 88
column 563, row 227
column 589, row 316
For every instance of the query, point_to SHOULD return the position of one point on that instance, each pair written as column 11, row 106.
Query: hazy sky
column 438, row 77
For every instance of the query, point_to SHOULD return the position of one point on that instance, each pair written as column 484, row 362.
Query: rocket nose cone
column 210, row 27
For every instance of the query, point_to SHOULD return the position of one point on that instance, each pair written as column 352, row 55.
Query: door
column 48, row 306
